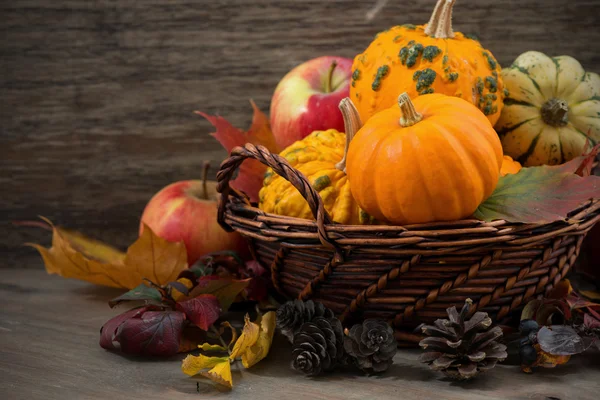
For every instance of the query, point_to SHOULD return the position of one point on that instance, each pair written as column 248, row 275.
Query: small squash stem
column 328, row 82
column 352, row 124
column 205, row 179
column 555, row 112
column 440, row 23
column 410, row 116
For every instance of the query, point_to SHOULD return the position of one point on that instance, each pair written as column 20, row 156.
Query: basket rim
column 273, row 227
column 589, row 207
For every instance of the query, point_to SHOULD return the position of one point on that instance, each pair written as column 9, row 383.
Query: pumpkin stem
column 555, row 112
column 410, row 116
column 352, row 124
column 440, row 23
column 330, row 76
column 205, row 169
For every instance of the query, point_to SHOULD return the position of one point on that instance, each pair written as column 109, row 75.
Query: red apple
column 187, row 211
column 307, row 99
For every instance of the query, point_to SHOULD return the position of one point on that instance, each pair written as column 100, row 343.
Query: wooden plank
column 97, row 97
column 49, row 331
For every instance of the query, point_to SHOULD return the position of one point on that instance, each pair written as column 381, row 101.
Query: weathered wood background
column 97, row 96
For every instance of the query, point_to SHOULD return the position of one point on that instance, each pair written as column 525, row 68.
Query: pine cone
column 372, row 345
column 318, row 346
column 291, row 315
column 462, row 349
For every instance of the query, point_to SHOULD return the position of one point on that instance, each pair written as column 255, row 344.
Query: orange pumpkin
column 435, row 158
column 426, row 59
column 509, row 166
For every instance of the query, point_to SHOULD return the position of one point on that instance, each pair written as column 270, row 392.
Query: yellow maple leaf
column 221, row 374
column 220, row 371
column 192, row 365
column 248, row 337
column 73, row 255
column 260, row 349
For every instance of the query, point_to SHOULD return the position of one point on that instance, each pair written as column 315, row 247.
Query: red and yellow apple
column 187, row 211
column 307, row 99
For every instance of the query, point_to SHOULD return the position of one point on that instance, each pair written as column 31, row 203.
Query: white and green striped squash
column 552, row 108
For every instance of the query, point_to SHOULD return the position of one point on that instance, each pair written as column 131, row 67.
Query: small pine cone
column 372, row 345
column 291, row 315
column 318, row 346
column 462, row 349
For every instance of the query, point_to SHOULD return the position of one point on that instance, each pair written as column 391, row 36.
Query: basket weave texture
column 407, row 275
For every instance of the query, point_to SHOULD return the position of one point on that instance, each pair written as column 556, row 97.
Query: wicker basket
column 404, row 274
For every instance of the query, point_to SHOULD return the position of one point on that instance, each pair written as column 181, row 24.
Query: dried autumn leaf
column 234, row 333
column 225, row 289
column 211, row 347
column 251, row 173
column 155, row 258
column 546, row 360
column 260, row 349
column 220, row 371
column 247, row 339
column 541, row 194
column 203, row 310
column 192, row 365
column 72, row 255
column 221, row 374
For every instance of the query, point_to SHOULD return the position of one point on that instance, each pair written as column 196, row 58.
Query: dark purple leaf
column 560, row 340
column 109, row 329
column 203, row 310
column 154, row 333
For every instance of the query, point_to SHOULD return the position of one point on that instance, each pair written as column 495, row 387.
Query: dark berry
column 528, row 355
column 525, row 341
column 527, row 326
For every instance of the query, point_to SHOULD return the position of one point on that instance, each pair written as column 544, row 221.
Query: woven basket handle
column 281, row 166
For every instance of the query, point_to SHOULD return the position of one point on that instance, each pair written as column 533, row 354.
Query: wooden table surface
column 49, row 331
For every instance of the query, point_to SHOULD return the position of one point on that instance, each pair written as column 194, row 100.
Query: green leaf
column 141, row 292
column 539, row 195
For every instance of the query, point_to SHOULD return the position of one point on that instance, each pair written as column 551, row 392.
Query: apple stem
column 328, row 82
column 205, row 178
column 352, row 124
